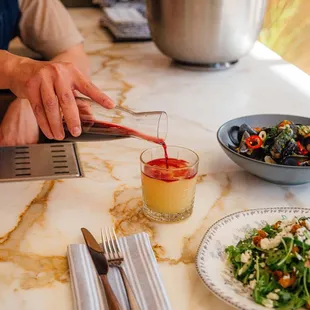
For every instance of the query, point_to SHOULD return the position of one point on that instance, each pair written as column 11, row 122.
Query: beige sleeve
column 46, row 27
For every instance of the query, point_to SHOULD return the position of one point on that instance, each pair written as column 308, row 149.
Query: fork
column 112, row 250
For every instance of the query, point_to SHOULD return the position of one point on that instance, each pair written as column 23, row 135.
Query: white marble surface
column 39, row 219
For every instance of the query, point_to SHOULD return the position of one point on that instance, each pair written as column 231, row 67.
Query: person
column 45, row 90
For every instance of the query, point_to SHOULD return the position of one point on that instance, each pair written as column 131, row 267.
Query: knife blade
column 102, row 267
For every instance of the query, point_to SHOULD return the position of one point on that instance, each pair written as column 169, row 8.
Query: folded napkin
column 141, row 269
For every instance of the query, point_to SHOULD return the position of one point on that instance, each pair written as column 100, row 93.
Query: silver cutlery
column 112, row 250
column 101, row 264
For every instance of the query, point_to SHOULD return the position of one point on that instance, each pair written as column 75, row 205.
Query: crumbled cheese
column 272, row 243
column 246, row 256
column 273, row 296
column 262, row 265
column 299, row 256
column 277, row 290
column 263, row 255
column 307, row 222
column 267, row 244
column 300, row 233
column 287, row 276
column 268, row 303
column 252, row 284
column 251, row 276
column 301, row 238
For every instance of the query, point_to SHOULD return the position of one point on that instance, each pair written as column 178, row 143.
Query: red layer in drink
column 177, row 169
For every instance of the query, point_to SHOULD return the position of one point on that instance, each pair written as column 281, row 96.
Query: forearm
column 77, row 56
column 8, row 62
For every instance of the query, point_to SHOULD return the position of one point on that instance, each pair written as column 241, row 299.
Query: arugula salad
column 274, row 263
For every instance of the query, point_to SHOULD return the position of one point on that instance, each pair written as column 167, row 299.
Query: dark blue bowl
column 279, row 174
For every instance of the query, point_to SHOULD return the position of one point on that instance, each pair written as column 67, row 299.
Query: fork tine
column 104, row 243
column 108, row 241
column 117, row 242
column 115, row 252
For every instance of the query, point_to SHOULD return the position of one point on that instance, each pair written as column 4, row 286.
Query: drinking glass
column 169, row 193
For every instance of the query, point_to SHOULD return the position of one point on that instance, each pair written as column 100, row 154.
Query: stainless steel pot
column 212, row 33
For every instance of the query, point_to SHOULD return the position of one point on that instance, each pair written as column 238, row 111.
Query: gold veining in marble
column 109, row 166
column 292, row 199
column 39, row 270
column 201, row 178
column 129, row 219
column 111, row 62
column 31, row 214
column 99, row 165
column 191, row 243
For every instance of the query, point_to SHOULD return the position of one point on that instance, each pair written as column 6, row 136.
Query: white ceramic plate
column 211, row 259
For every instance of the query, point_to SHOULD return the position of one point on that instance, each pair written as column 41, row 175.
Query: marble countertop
column 39, row 219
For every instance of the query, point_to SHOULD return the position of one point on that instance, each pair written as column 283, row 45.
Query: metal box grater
column 39, row 162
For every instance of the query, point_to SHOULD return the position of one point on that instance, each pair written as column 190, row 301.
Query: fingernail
column 76, row 131
column 49, row 135
column 109, row 102
column 60, row 137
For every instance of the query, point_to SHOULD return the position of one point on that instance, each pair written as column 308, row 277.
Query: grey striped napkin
column 140, row 266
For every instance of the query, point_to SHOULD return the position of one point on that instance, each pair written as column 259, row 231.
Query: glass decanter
column 99, row 123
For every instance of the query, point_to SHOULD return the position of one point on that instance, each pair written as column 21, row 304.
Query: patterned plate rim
column 251, row 212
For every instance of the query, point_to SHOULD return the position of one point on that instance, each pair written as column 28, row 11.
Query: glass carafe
column 99, row 123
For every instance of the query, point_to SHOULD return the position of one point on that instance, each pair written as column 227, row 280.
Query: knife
column 102, row 267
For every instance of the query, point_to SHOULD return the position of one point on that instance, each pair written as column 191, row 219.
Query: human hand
column 49, row 87
column 19, row 125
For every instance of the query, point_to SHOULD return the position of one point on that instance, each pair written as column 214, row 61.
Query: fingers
column 51, row 107
column 68, row 106
column 84, row 110
column 51, row 93
column 39, row 112
column 90, row 90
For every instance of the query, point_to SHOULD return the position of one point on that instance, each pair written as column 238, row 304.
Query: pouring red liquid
column 98, row 127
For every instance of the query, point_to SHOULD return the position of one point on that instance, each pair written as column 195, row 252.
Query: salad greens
column 274, row 262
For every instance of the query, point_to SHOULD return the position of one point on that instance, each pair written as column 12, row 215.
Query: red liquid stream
column 164, row 145
column 97, row 127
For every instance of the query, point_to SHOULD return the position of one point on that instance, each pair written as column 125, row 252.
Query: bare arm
column 8, row 62
column 49, row 86
column 19, row 125
column 77, row 56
